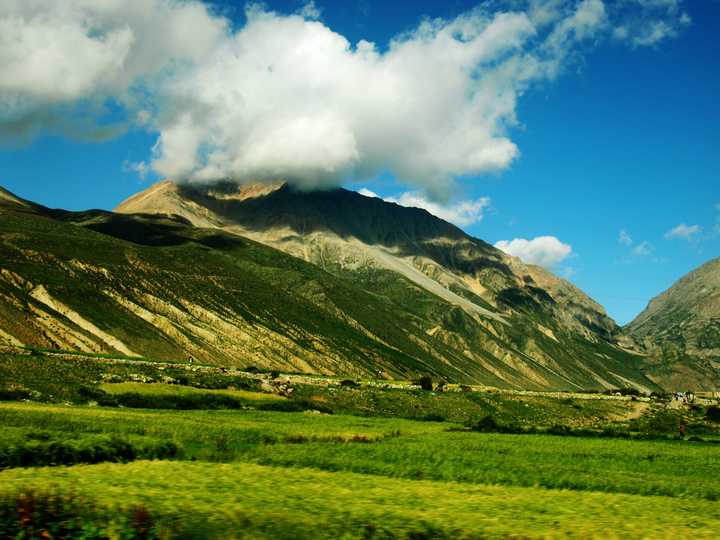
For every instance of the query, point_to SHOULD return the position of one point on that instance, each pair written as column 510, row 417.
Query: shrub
column 7, row 394
column 178, row 402
column 41, row 515
column 713, row 413
column 347, row 383
column 558, row 429
column 25, row 516
column 294, row 405
column 425, row 382
column 40, row 451
column 488, row 424
column 433, row 417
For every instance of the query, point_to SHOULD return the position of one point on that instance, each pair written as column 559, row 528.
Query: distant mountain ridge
column 325, row 282
column 679, row 330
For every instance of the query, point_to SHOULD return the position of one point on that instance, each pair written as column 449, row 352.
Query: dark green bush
column 488, row 424
column 713, row 413
column 178, row 402
column 425, row 382
column 13, row 395
column 295, row 405
column 35, row 452
column 433, row 417
column 559, row 430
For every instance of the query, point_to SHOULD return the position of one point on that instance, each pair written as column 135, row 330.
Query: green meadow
column 332, row 461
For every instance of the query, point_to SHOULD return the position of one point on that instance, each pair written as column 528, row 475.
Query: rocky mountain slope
column 679, row 330
column 388, row 291
column 509, row 315
column 343, row 231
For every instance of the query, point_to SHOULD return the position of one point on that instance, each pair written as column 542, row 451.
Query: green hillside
column 155, row 286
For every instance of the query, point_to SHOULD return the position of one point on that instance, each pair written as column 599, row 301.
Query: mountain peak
column 341, row 229
column 680, row 329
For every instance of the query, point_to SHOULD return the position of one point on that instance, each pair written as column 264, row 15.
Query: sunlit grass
column 250, row 501
column 160, row 389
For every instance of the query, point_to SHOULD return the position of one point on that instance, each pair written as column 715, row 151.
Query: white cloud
column 462, row 213
column 651, row 22
column 643, row 249
column 545, row 251
column 624, row 238
column 367, row 193
column 686, row 232
column 61, row 60
column 286, row 97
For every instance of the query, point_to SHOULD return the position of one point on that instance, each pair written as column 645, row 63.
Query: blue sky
column 624, row 138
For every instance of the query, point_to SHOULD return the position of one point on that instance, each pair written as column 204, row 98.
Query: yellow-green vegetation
column 392, row 447
column 250, row 501
column 156, row 286
column 161, row 389
column 202, row 455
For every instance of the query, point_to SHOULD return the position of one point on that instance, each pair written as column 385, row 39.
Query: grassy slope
column 258, row 285
column 260, row 306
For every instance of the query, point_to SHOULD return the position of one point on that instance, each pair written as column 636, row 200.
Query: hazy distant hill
column 680, row 330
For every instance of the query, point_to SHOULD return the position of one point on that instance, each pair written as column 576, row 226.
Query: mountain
column 679, row 330
column 518, row 324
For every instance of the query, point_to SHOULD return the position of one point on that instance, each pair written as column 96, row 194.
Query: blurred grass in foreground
column 251, row 501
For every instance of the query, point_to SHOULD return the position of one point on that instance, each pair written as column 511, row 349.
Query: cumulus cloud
column 286, row 97
column 62, row 60
column 545, row 251
column 624, row 238
column 685, row 232
column 462, row 213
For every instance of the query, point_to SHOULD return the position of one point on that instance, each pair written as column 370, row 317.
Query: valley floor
column 208, row 457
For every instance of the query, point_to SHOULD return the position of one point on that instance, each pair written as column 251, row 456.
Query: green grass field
column 241, row 500
column 379, row 467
